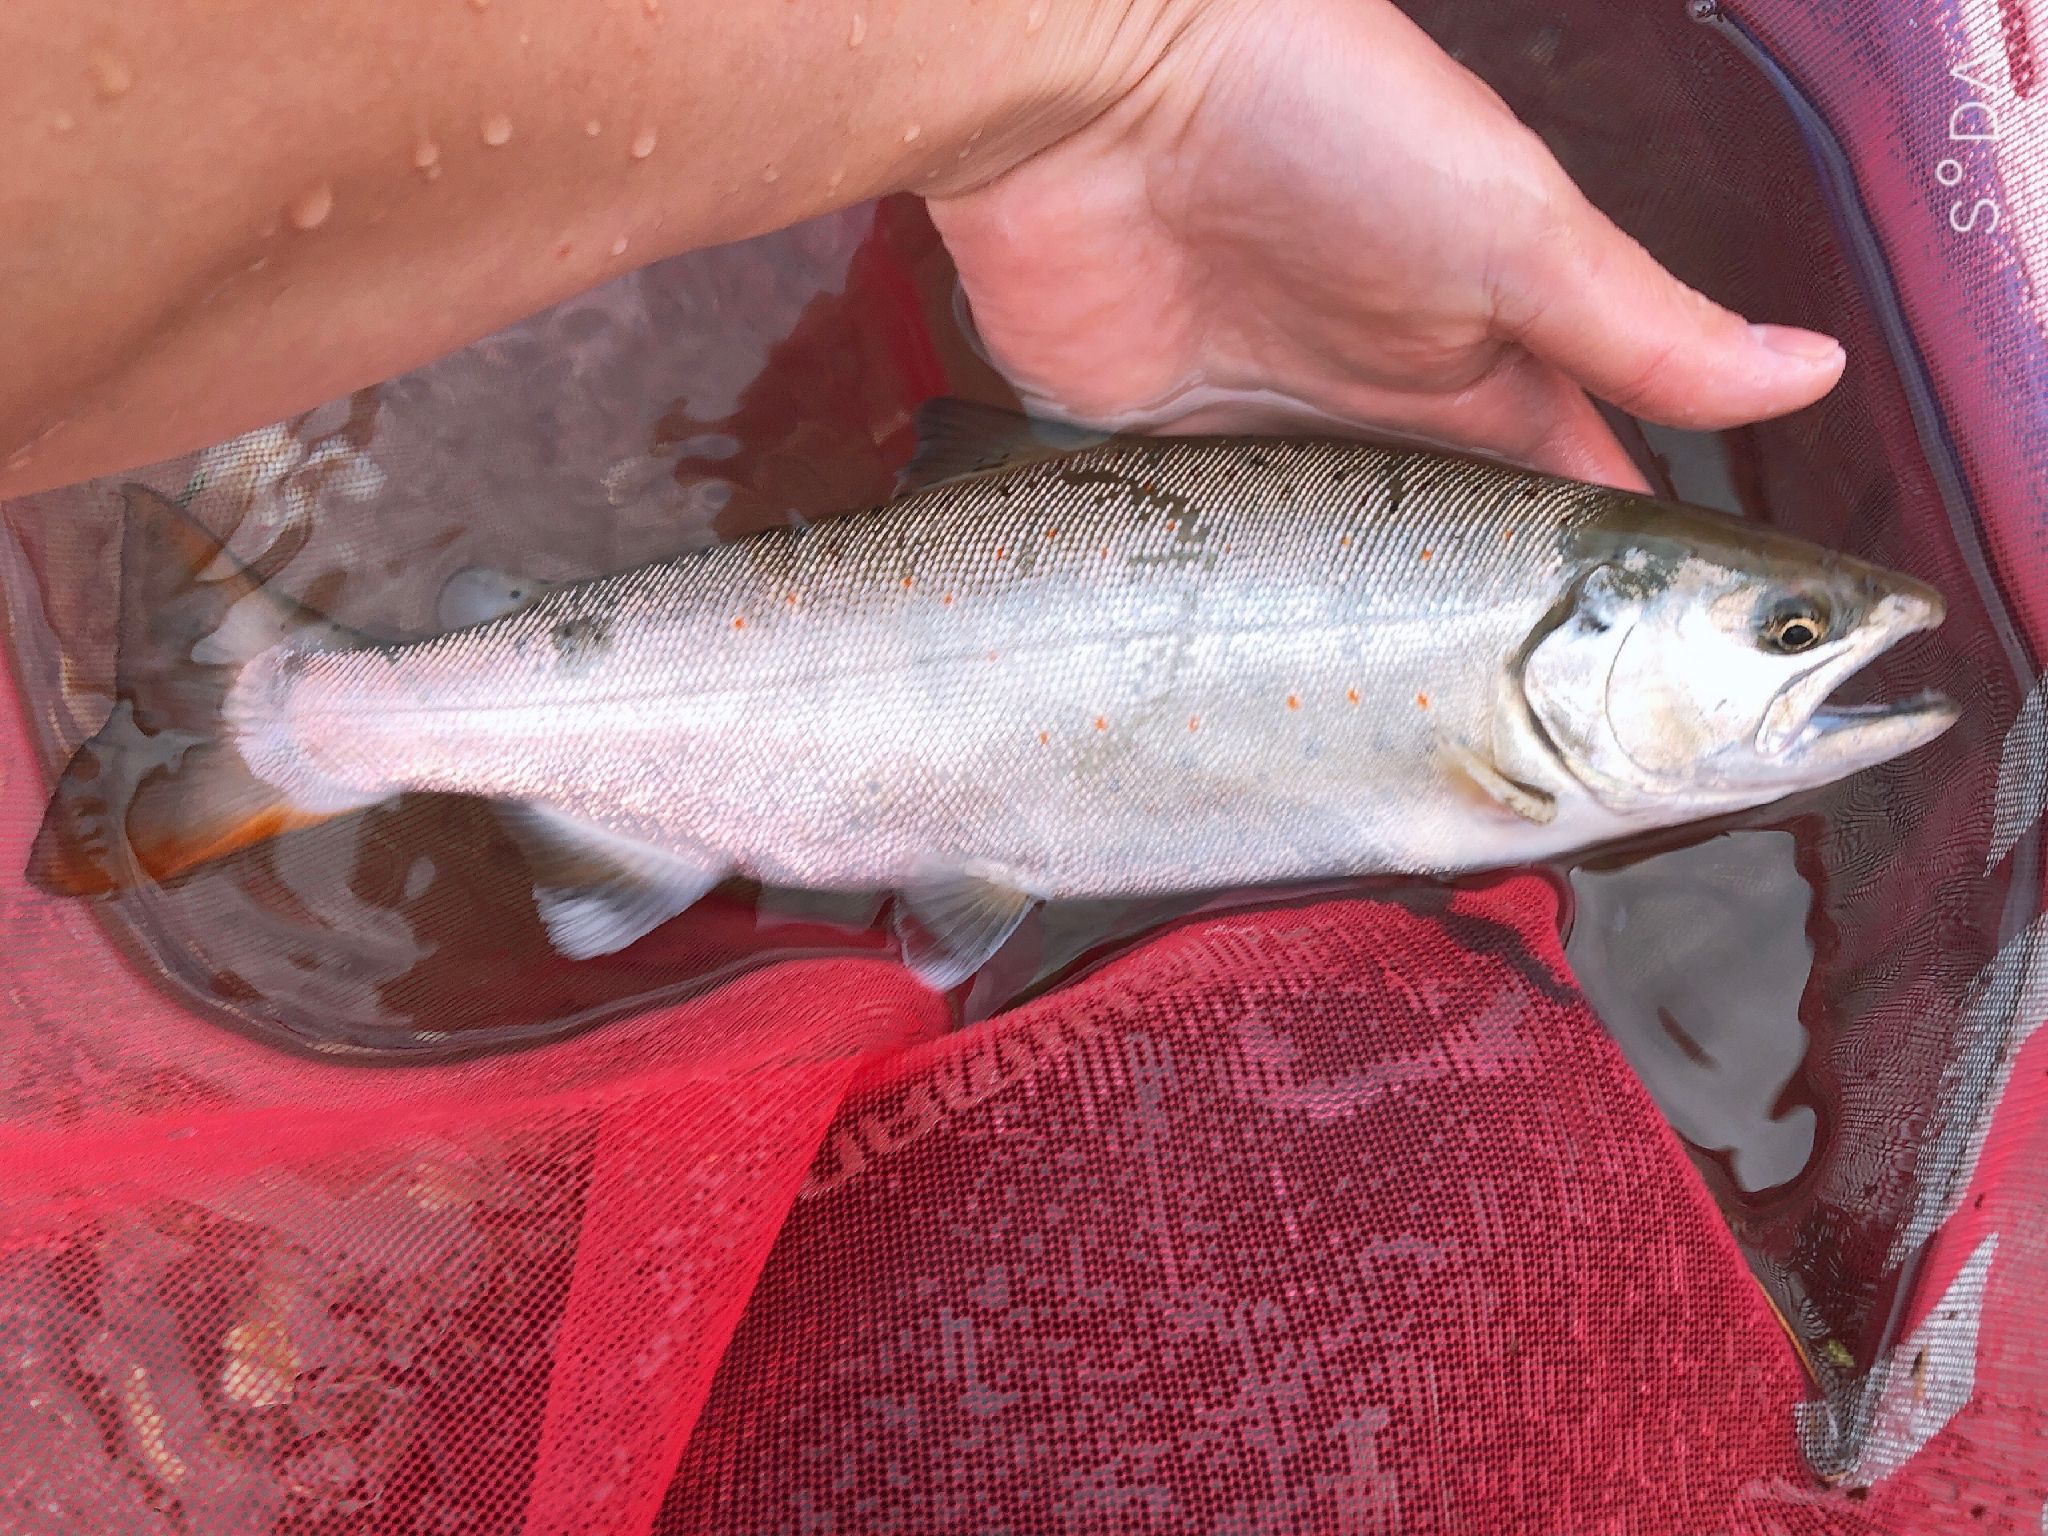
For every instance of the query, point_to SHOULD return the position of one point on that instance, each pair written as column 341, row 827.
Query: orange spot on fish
column 1345, row 541
column 1044, row 737
column 791, row 599
column 1002, row 553
column 739, row 623
column 1427, row 553
column 1101, row 724
column 1294, row 701
column 1194, row 722
column 1422, row 701
column 1351, row 694
column 1052, row 533
column 1105, row 551
column 991, row 655
column 1173, row 525
column 1506, row 534
column 906, row 583
column 948, row 599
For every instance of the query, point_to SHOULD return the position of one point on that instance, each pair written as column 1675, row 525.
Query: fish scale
column 1194, row 687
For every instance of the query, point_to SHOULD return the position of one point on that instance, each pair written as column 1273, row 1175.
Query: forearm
column 215, row 214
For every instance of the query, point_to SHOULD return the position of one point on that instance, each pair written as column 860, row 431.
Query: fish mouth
column 1806, row 729
column 1845, row 737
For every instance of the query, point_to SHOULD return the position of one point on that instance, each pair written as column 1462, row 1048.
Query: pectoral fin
column 596, row 890
column 1528, row 803
column 952, row 924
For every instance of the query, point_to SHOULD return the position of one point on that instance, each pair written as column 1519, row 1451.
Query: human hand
column 1308, row 200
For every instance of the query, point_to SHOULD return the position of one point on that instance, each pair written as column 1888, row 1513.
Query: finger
column 1522, row 410
column 1560, row 429
column 1590, row 301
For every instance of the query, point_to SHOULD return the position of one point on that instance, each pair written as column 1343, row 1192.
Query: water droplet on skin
column 652, row 8
column 619, row 246
column 63, row 122
column 857, row 34
column 1034, row 18
column 910, row 134
column 836, row 177
column 497, row 129
column 479, row 5
column 426, row 154
column 310, row 208
column 526, row 39
column 592, row 128
column 111, row 77
column 643, row 143
column 769, row 173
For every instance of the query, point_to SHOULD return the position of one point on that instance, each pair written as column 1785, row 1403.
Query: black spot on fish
column 580, row 638
column 1259, row 460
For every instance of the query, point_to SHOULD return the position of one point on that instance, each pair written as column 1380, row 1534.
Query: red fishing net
column 1340, row 1214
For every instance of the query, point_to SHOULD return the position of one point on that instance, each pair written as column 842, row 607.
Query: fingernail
column 1790, row 341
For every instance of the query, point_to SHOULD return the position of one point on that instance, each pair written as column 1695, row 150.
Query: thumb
column 1591, row 302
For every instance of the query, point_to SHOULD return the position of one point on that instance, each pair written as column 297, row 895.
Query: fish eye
column 1794, row 625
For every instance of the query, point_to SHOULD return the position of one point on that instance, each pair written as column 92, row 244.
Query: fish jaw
column 1839, row 740
column 1813, row 742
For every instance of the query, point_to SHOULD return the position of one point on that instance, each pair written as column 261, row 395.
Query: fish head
column 1690, row 668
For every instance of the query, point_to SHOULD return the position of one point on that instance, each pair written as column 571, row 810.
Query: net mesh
column 1342, row 1214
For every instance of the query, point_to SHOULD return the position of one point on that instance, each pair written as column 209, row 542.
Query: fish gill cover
column 1323, row 1210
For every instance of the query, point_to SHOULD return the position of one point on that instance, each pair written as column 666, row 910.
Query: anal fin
column 952, row 924
column 597, row 890
column 1531, row 804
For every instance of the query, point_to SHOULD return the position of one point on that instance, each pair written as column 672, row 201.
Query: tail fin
column 158, row 791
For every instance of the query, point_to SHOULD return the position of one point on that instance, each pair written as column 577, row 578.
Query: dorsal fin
column 958, row 439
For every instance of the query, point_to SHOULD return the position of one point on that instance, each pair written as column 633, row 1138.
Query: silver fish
column 1067, row 668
